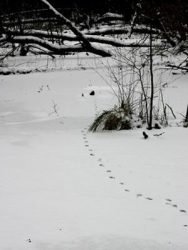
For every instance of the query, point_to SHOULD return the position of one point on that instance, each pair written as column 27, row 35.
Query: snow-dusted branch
column 57, row 49
column 29, row 21
column 91, row 38
column 111, row 16
column 121, row 30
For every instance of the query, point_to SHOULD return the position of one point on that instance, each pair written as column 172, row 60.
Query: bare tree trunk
column 151, row 81
column 186, row 116
column 144, row 94
column 185, row 122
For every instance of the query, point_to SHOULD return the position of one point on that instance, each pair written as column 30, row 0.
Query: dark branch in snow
column 177, row 67
column 159, row 134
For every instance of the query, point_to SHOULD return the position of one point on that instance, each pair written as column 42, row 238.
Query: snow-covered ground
column 64, row 188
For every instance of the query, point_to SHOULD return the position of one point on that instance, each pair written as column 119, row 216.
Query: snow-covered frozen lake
column 62, row 187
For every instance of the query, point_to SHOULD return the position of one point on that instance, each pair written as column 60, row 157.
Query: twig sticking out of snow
column 171, row 110
column 159, row 134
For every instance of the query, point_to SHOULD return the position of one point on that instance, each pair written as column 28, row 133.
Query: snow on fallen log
column 14, row 71
column 111, row 16
column 121, row 30
column 85, row 43
column 56, row 48
column 91, row 38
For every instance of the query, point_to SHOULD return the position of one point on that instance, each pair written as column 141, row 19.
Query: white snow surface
column 63, row 188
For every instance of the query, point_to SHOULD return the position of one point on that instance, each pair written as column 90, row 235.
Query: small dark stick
column 145, row 135
column 159, row 134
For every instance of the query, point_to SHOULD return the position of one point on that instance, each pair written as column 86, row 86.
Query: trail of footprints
column 167, row 201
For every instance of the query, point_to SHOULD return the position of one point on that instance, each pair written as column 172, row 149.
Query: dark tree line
column 173, row 13
column 102, row 5
column 23, row 17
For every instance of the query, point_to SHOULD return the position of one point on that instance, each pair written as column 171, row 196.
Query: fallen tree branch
column 29, row 21
column 58, row 49
column 177, row 67
column 9, row 53
column 91, row 38
column 110, row 17
column 55, row 48
column 159, row 134
column 85, row 43
column 121, row 30
column 38, row 50
column 171, row 110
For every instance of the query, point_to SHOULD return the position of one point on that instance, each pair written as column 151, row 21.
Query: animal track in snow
column 111, row 177
column 174, row 205
column 168, row 201
column 101, row 165
column 127, row 190
column 149, row 198
column 183, row 211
